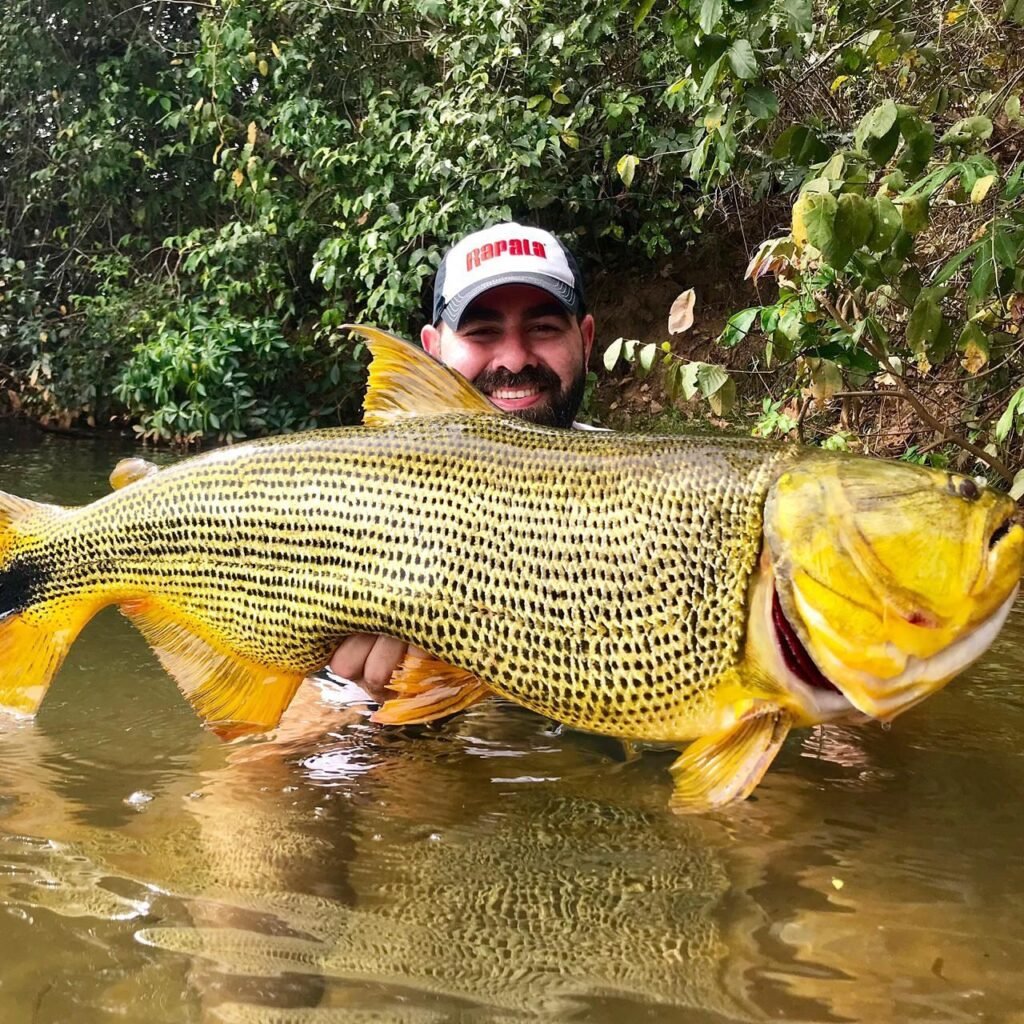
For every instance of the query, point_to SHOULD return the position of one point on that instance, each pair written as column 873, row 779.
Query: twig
column 903, row 391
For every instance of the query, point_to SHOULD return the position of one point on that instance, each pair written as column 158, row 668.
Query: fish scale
column 565, row 572
column 655, row 589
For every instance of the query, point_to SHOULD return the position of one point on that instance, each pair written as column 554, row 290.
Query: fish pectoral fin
column 727, row 765
column 428, row 689
column 231, row 693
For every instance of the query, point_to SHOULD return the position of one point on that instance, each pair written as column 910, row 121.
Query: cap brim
column 564, row 293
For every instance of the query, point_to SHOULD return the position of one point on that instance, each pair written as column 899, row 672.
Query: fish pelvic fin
column 35, row 631
column 404, row 382
column 428, row 689
column 727, row 765
column 234, row 695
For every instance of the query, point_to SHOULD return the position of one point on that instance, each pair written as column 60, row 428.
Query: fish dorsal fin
column 405, row 382
column 231, row 693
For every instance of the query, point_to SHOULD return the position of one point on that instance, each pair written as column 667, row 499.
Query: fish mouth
column 795, row 656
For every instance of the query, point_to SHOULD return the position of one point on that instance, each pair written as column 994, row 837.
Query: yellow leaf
column 216, row 152
column 837, row 84
column 251, row 57
column 627, row 168
column 198, row 105
column 275, row 50
column 251, row 133
column 571, row 139
column 955, row 14
column 981, row 187
column 264, row 67
column 237, row 177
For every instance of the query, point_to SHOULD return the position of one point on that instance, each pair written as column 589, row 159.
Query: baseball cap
column 505, row 254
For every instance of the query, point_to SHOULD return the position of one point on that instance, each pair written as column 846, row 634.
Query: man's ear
column 587, row 330
column 430, row 337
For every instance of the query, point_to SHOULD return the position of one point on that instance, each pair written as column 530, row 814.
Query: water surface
column 494, row 868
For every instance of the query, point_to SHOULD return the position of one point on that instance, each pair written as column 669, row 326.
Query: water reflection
column 492, row 868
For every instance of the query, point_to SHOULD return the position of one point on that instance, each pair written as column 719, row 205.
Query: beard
column 559, row 404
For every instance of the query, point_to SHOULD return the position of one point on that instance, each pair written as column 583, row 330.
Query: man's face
column 521, row 348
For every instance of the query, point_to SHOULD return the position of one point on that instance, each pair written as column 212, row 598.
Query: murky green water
column 492, row 869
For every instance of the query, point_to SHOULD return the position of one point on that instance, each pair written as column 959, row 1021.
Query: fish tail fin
column 233, row 694
column 428, row 689
column 36, row 630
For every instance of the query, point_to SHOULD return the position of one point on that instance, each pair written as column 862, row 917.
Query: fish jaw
column 885, row 698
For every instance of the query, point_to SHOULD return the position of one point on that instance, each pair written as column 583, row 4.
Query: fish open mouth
column 794, row 654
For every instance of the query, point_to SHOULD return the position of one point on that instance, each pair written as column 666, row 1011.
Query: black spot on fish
column 20, row 586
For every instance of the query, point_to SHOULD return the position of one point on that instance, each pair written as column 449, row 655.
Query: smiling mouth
column 794, row 654
column 514, row 394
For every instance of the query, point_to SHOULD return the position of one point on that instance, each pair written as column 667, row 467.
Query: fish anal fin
column 405, row 381
column 428, row 689
column 231, row 693
column 727, row 765
column 33, row 645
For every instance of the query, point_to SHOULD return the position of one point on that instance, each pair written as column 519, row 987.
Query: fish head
column 883, row 580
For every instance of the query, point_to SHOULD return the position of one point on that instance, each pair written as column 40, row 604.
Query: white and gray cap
column 505, row 254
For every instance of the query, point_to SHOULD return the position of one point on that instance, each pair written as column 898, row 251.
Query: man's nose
column 515, row 354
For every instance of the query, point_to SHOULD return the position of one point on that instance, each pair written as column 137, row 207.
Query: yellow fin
column 727, row 765
column 231, row 693
column 33, row 645
column 428, row 689
column 127, row 471
column 404, row 381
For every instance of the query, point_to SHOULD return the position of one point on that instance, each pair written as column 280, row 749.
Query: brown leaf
column 680, row 316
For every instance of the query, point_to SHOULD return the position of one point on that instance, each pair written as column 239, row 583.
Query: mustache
column 529, row 376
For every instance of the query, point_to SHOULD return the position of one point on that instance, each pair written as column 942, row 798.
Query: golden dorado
column 715, row 590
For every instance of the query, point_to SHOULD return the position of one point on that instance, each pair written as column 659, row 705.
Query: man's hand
column 370, row 660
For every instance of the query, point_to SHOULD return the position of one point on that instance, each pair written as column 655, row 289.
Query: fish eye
column 969, row 490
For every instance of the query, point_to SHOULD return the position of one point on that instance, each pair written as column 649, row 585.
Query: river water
column 493, row 868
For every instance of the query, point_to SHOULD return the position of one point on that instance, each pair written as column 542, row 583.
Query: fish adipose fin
column 233, row 695
column 35, row 633
column 727, row 765
column 127, row 471
column 428, row 689
column 404, row 382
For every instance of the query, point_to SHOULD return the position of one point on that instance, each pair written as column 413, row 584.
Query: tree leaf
column 612, row 354
column 738, row 326
column 710, row 377
column 852, row 228
column 814, row 215
column 710, row 15
column 680, row 316
column 973, row 345
column 761, row 102
column 643, row 10
column 925, row 321
column 645, row 359
column 722, row 400
column 981, row 188
column 626, row 168
column 742, row 60
column 877, row 122
column 1005, row 423
column 887, row 223
column 914, row 211
column 1017, row 487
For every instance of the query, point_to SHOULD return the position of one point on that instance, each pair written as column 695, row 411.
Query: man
column 509, row 315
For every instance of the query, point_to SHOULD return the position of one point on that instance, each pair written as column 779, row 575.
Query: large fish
column 659, row 590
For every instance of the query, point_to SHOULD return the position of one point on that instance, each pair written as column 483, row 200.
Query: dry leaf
column 251, row 133
column 680, row 316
